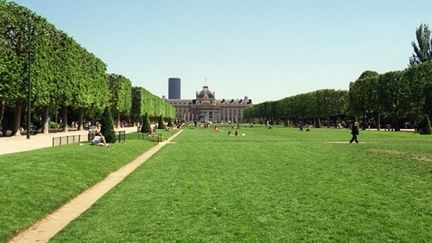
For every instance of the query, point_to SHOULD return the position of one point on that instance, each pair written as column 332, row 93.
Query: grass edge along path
column 50, row 225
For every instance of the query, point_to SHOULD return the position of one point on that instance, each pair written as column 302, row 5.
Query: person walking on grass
column 354, row 132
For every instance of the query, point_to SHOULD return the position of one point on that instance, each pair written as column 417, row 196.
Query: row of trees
column 397, row 96
column 144, row 102
column 401, row 95
column 61, row 75
column 309, row 107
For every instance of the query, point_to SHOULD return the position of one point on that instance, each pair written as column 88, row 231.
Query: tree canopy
column 423, row 47
column 65, row 76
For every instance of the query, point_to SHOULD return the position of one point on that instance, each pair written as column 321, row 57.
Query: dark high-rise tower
column 174, row 88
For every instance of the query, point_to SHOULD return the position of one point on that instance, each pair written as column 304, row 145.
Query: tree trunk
column 2, row 107
column 118, row 120
column 379, row 121
column 17, row 119
column 45, row 115
column 396, row 122
column 80, row 120
column 65, row 127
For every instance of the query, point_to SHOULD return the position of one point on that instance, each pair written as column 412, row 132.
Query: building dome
column 205, row 93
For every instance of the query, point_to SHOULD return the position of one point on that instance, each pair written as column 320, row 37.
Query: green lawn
column 273, row 185
column 34, row 183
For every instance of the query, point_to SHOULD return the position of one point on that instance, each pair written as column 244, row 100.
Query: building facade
column 174, row 88
column 205, row 107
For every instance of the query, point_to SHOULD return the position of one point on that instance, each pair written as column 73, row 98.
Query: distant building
column 174, row 88
column 205, row 107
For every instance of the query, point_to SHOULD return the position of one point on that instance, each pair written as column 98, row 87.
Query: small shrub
column 161, row 124
column 107, row 126
column 53, row 124
column 145, row 127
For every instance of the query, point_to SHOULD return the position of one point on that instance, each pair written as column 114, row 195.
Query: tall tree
column 17, row 24
column 363, row 96
column 422, row 50
column 394, row 93
column 121, row 95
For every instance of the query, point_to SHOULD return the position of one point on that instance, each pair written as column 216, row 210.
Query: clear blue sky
column 263, row 49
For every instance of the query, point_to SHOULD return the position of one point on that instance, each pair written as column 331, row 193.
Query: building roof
column 205, row 93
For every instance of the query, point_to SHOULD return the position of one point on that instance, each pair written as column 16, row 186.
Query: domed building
column 205, row 107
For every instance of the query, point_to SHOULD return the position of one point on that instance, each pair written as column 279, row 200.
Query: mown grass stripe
column 269, row 186
column 50, row 225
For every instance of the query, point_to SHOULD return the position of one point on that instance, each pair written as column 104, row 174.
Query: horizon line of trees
column 65, row 77
column 373, row 99
column 311, row 108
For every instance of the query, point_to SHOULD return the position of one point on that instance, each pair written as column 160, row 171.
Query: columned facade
column 205, row 107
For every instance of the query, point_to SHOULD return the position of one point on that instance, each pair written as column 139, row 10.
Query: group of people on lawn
column 99, row 139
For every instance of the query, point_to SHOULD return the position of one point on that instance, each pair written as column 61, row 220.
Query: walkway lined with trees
column 45, row 68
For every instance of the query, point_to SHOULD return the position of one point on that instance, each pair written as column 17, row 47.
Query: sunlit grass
column 270, row 186
column 34, row 183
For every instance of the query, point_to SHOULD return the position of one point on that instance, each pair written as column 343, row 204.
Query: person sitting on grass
column 99, row 139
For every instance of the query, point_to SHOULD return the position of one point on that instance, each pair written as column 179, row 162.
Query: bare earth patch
column 385, row 151
column 341, row 142
column 420, row 158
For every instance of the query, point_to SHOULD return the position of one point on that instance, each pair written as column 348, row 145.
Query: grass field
column 34, row 183
column 273, row 185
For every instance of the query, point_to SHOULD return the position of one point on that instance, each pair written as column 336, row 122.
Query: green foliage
column 121, row 93
column 53, row 124
column 145, row 126
column 394, row 93
column 145, row 102
column 363, row 94
column 137, row 108
column 107, row 127
column 321, row 103
column 64, row 74
column 161, row 124
column 422, row 51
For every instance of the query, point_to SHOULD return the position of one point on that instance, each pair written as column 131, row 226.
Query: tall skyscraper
column 174, row 88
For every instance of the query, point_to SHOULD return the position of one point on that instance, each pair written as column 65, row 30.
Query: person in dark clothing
column 354, row 132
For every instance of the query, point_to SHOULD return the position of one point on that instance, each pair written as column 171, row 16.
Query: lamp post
column 30, row 49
